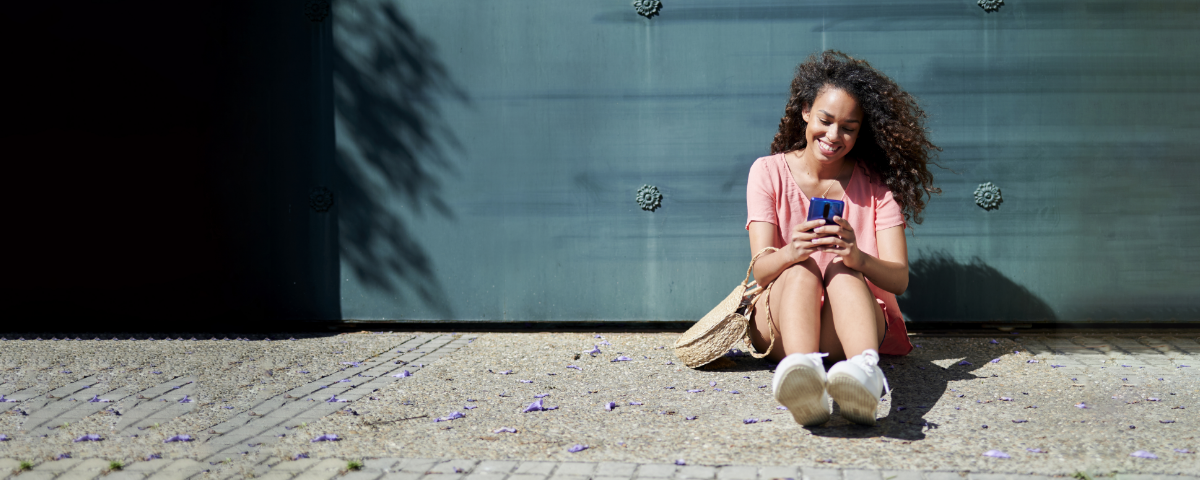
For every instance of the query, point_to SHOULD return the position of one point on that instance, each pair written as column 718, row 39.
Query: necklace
column 835, row 182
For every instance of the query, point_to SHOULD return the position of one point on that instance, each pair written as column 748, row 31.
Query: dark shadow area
column 916, row 386
column 392, row 148
column 940, row 289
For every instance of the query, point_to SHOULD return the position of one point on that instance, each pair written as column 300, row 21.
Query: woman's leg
column 851, row 320
column 795, row 299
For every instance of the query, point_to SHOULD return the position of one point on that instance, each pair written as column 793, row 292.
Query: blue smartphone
column 826, row 208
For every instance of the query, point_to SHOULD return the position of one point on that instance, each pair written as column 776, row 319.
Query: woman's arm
column 769, row 266
column 889, row 271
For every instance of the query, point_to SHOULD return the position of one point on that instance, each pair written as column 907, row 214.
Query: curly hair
column 892, row 141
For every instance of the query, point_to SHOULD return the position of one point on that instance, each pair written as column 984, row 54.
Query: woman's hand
column 801, row 245
column 840, row 239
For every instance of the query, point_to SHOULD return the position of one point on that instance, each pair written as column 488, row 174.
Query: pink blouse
column 772, row 196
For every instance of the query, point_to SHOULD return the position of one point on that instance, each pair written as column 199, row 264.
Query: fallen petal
column 328, row 437
column 91, row 437
column 505, row 430
column 1144, row 454
column 636, row 403
column 1034, row 450
column 995, row 360
column 534, row 407
column 178, row 438
column 621, row 358
column 577, row 368
column 749, row 421
column 1020, row 421
column 680, row 462
column 403, row 374
column 964, row 362
column 1183, row 450
column 451, row 416
column 577, row 448
column 996, row 454
column 609, row 406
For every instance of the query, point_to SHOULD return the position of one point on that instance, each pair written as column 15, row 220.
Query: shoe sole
column 855, row 402
column 801, row 391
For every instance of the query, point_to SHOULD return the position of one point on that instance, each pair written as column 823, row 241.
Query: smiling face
column 834, row 120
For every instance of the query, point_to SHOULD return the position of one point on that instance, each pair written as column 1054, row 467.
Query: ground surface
column 1140, row 394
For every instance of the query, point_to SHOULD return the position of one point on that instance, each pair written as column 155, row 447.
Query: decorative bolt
column 649, row 198
column 320, row 199
column 316, row 10
column 990, row 5
column 649, row 8
column 988, row 196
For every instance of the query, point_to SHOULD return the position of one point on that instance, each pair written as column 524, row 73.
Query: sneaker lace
column 868, row 364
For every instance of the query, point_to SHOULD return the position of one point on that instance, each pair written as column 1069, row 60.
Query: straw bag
column 711, row 337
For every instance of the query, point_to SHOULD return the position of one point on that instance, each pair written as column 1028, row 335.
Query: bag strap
column 755, row 259
column 766, row 296
column 764, row 292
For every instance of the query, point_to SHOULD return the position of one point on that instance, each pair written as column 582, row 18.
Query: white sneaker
column 799, row 385
column 856, row 385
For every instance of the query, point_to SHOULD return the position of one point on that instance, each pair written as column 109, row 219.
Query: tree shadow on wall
column 942, row 289
column 392, row 146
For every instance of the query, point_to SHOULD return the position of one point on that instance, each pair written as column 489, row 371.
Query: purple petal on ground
column 153, row 456
column 695, row 391
column 1056, row 366
column 1181, row 366
column 298, row 456
column 749, row 421
column 178, row 438
column 470, row 399
column 1032, row 360
column 995, row 360
column 577, row 448
column 525, row 381
column 334, row 399
column 693, row 417
column 735, row 392
column 550, row 408
column 636, row 403
column 1007, row 399
column 1152, row 399
column 1081, row 405
column 65, row 371
column 680, row 462
column 609, row 406
column 403, row 374
column 97, row 399
column 2, row 399
column 781, row 408
column 357, row 364
column 156, row 372
column 577, row 368
column 1166, row 421
column 621, row 358
column 917, row 345
column 541, row 395
column 534, row 407
column 996, row 454
column 1144, row 454
column 1126, row 366
column 668, row 388
column 605, row 342
column 185, row 399
column 712, row 384
column 1020, row 421
column 1183, row 450
column 328, row 437
column 1034, row 450
column 63, row 456
column 344, row 380
column 91, row 437
column 762, row 386
column 470, row 407
column 670, row 362
column 964, row 362
column 993, row 341
column 306, row 371
column 451, row 416
column 594, row 351
column 505, row 430
column 717, row 390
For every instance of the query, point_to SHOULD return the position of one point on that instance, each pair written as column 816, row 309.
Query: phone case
column 826, row 208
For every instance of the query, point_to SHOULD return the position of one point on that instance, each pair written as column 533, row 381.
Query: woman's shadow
column 917, row 385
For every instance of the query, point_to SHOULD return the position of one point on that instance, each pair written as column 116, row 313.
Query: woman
column 849, row 133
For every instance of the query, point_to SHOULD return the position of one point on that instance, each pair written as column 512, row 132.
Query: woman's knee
column 805, row 274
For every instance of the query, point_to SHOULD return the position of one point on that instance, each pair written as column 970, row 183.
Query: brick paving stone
column 901, row 474
column 810, row 473
column 85, row 470
column 35, row 475
column 569, row 477
column 416, row 465
column 767, row 473
column 861, row 474
column 179, row 469
column 454, row 466
column 147, row 467
column 737, row 472
column 486, row 476
column 696, row 471
column 124, row 475
column 535, row 468
column 295, row 466
column 943, row 476
column 610, row 477
column 57, row 466
column 362, row 475
column 381, row 464
column 990, row 476
column 616, row 469
column 655, row 470
column 323, row 470
column 495, row 466
column 276, row 475
column 576, row 468
column 527, row 476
